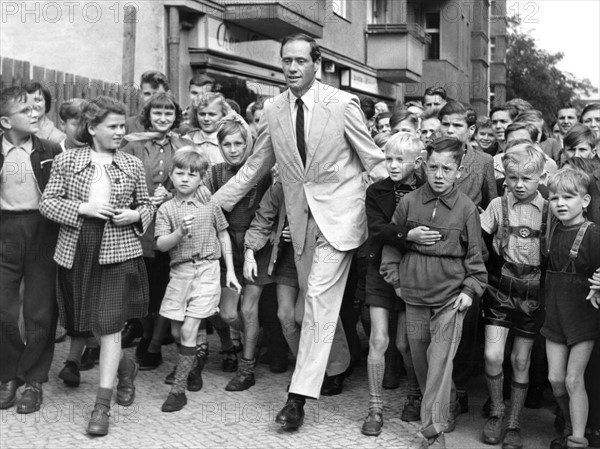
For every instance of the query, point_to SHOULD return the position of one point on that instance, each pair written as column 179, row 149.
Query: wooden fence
column 66, row 86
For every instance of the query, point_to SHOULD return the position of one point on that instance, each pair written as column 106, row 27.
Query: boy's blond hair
column 404, row 141
column 525, row 154
column 191, row 159
column 569, row 180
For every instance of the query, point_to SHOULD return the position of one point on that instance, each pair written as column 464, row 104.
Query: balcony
column 277, row 19
column 397, row 51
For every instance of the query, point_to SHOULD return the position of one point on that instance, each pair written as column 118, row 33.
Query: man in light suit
column 322, row 147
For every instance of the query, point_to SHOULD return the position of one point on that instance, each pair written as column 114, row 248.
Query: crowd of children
column 484, row 236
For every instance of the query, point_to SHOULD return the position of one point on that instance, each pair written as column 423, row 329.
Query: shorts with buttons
column 194, row 290
column 517, row 303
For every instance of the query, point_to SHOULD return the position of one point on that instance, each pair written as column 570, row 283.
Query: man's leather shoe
column 333, row 385
column 291, row 416
column 98, row 424
column 125, row 387
column 8, row 393
column 31, row 400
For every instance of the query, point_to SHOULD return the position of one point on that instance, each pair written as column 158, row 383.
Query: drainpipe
column 173, row 49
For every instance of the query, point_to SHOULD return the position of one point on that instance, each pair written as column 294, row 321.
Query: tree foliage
column 533, row 76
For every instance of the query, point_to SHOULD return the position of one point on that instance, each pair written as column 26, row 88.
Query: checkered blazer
column 69, row 186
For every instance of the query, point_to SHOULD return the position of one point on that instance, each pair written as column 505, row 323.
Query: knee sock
column 76, row 349
column 103, row 397
column 563, row 403
column 495, row 385
column 375, row 370
column 186, row 363
column 518, row 393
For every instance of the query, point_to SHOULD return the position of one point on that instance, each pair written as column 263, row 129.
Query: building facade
column 388, row 50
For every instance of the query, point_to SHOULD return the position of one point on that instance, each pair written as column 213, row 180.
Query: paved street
column 217, row 418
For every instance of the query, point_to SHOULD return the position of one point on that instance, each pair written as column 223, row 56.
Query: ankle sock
column 103, row 397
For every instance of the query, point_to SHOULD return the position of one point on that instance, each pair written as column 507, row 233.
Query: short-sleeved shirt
column 519, row 250
column 201, row 242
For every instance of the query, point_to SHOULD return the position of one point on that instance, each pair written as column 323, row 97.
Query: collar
column 155, row 143
column 449, row 199
column 308, row 98
column 83, row 159
column 7, row 146
column 537, row 201
column 180, row 201
column 200, row 137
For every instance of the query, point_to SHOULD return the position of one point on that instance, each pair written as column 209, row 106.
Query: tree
column 533, row 76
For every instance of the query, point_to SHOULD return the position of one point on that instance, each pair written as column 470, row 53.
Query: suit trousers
column 27, row 243
column 434, row 335
column 322, row 275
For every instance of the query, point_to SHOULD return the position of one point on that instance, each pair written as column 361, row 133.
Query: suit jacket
column 330, row 186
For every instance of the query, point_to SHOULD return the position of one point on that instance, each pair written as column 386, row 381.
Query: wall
column 84, row 38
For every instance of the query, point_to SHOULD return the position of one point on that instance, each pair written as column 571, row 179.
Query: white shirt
column 18, row 186
column 101, row 185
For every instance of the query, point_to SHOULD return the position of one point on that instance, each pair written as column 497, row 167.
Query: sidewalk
column 215, row 418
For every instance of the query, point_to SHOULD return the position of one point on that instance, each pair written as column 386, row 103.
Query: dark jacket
column 41, row 158
column 380, row 205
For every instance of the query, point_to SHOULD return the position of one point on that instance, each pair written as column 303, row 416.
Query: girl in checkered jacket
column 98, row 194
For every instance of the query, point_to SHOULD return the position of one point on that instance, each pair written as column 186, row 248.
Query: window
column 432, row 27
column 492, row 49
column 339, row 7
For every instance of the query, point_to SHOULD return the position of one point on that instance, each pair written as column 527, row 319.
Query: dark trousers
column 468, row 352
column 27, row 244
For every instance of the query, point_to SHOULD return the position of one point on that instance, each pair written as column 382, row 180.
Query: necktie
column 300, row 130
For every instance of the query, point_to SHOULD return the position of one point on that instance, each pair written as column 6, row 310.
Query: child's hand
column 463, row 302
column 186, row 224
column 250, row 266
column 203, row 194
column 160, row 195
column 594, row 298
column 286, row 234
column 126, row 217
column 232, row 282
column 423, row 236
column 594, row 284
column 98, row 209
